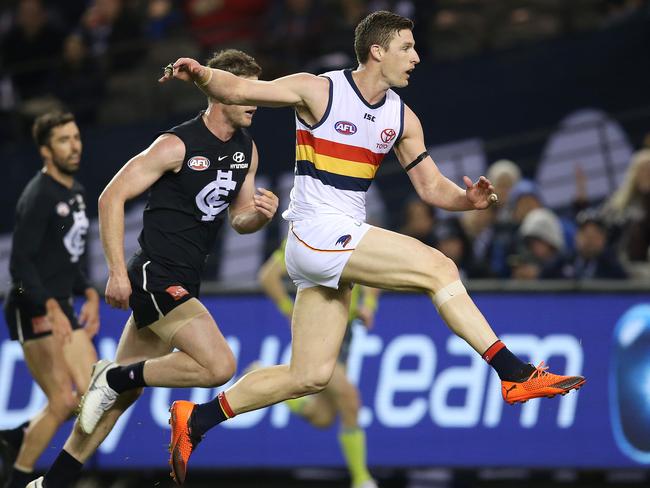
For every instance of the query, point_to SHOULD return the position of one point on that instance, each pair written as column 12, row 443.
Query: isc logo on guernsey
column 346, row 128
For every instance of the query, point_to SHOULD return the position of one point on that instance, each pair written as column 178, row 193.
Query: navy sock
column 210, row 414
column 18, row 479
column 64, row 471
column 125, row 378
column 508, row 366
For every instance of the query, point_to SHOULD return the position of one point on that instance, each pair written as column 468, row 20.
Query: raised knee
column 449, row 270
column 313, row 382
column 220, row 371
column 442, row 273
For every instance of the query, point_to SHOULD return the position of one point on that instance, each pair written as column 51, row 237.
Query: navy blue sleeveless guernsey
column 186, row 209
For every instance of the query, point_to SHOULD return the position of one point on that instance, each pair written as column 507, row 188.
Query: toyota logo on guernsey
column 198, row 163
column 346, row 128
column 388, row 135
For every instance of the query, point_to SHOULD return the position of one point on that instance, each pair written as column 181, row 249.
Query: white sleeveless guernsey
column 337, row 159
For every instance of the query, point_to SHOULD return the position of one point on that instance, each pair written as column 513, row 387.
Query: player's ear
column 45, row 152
column 377, row 52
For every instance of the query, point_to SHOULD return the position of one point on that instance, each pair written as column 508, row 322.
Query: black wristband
column 416, row 161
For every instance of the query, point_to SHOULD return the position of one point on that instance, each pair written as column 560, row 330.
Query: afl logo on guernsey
column 346, row 128
column 62, row 209
column 198, row 163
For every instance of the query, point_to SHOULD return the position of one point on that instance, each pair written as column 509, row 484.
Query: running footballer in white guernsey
column 346, row 122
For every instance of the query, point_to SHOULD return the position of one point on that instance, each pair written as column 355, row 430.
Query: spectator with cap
column 542, row 246
column 593, row 258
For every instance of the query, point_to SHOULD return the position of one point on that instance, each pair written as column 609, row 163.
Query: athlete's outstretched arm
column 251, row 210
column 165, row 154
column 301, row 89
column 431, row 185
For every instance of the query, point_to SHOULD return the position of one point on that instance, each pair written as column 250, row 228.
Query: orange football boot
column 540, row 383
column 182, row 442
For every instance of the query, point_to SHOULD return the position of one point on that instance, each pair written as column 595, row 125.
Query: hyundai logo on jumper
column 629, row 384
column 346, row 128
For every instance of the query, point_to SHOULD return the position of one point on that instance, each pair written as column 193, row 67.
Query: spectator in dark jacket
column 594, row 259
column 452, row 241
column 30, row 49
column 77, row 80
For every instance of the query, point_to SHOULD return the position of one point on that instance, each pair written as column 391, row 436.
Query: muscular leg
column 384, row 259
column 314, row 349
column 318, row 326
column 45, row 359
column 135, row 345
column 203, row 359
column 409, row 265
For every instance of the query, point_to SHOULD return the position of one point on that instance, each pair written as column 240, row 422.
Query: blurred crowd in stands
column 91, row 53
column 522, row 238
column 96, row 57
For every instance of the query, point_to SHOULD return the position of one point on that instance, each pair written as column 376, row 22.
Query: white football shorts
column 319, row 248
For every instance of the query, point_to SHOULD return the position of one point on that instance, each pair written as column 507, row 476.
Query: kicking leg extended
column 385, row 259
